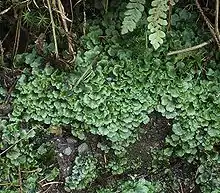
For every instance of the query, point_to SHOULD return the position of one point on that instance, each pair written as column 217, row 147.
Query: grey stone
column 83, row 148
column 71, row 140
column 67, row 151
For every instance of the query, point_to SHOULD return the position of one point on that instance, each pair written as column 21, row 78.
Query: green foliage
column 35, row 19
column 208, row 174
column 157, row 20
column 133, row 14
column 84, row 172
column 133, row 186
column 115, row 86
column 25, row 149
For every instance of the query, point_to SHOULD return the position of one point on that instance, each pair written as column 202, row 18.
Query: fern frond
column 133, row 14
column 157, row 20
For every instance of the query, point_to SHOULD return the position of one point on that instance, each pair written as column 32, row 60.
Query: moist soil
column 181, row 175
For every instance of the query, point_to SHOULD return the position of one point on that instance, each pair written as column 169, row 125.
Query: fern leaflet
column 133, row 14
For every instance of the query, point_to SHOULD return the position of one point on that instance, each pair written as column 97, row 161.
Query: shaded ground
column 178, row 175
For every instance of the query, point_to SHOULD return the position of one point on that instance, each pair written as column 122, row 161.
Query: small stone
column 71, row 140
column 67, row 151
column 60, row 154
column 83, row 148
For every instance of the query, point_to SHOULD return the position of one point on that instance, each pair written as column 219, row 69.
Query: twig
column 47, row 189
column 181, row 187
column 49, row 183
column 71, row 9
column 84, row 17
column 10, row 91
column 53, row 28
column 36, row 170
column 217, row 19
column 191, row 48
column 77, row 3
column 169, row 16
column 8, row 184
column 105, row 160
column 36, row 4
column 6, row 10
column 2, row 54
column 20, row 179
column 14, row 143
column 208, row 23
column 17, row 36
column 63, row 18
column 106, row 6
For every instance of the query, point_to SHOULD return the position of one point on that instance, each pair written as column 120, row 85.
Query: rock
column 67, row 151
column 60, row 155
column 83, row 148
column 71, row 140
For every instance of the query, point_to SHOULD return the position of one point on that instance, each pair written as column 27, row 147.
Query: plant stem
column 53, row 28
column 191, row 48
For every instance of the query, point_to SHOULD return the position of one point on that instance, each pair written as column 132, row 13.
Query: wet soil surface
column 178, row 174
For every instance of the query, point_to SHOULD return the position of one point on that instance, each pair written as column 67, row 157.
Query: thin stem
column 49, row 183
column 84, row 17
column 208, row 23
column 14, row 143
column 17, row 36
column 2, row 54
column 53, row 28
column 191, row 48
column 20, row 178
column 217, row 19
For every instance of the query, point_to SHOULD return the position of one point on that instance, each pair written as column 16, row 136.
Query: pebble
column 71, row 140
column 67, row 151
column 83, row 148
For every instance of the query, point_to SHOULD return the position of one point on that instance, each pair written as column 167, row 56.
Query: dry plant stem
column 169, row 16
column 17, row 36
column 35, row 4
column 20, row 179
column 77, row 3
column 106, row 6
column 2, row 54
column 181, row 187
column 62, row 15
column 32, row 171
column 49, row 183
column 47, row 189
column 8, row 184
column 71, row 9
column 208, row 23
column 191, row 48
column 53, row 28
column 84, row 17
column 217, row 19
column 6, row 101
column 6, row 10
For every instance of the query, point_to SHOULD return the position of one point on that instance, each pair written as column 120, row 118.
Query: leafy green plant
column 208, row 173
column 35, row 19
column 84, row 172
column 157, row 19
column 132, row 15
column 19, row 150
column 115, row 85
column 133, row 186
